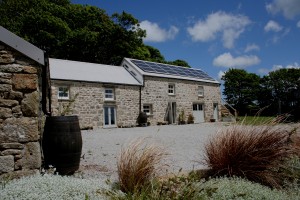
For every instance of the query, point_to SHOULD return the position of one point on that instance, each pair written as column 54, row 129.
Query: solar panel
column 158, row 68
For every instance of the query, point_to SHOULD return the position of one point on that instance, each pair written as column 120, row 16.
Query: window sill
column 171, row 94
column 109, row 100
column 63, row 99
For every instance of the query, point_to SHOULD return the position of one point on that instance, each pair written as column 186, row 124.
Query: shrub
column 142, row 119
column 180, row 187
column 190, row 119
column 138, row 164
column 52, row 187
column 252, row 152
column 237, row 188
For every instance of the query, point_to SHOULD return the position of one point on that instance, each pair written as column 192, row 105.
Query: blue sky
column 215, row 35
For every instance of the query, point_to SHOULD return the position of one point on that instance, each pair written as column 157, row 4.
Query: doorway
column 109, row 116
column 172, row 112
column 198, row 112
column 216, row 111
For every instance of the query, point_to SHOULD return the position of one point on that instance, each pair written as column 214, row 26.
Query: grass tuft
column 138, row 164
column 252, row 152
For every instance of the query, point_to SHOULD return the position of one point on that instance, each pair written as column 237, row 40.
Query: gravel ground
column 184, row 143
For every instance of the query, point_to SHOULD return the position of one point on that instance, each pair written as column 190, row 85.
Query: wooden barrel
column 62, row 143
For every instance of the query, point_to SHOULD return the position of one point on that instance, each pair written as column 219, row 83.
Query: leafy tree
column 282, row 88
column 78, row 32
column 241, row 89
column 181, row 63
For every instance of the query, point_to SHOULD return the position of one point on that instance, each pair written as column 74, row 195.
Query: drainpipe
column 140, row 103
column 46, row 87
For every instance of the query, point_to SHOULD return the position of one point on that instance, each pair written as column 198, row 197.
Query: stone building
column 170, row 90
column 21, row 65
column 113, row 96
column 101, row 95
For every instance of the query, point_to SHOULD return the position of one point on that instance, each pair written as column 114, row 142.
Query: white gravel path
column 184, row 143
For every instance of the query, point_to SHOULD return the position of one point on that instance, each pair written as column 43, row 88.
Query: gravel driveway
column 184, row 143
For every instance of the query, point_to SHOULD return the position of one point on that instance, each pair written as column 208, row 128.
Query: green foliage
column 281, row 91
column 78, row 32
column 52, row 187
column 180, row 187
column 190, row 119
column 278, row 92
column 255, row 120
column 181, row 117
column 241, row 89
column 181, row 63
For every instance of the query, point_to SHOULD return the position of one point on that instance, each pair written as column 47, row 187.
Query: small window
column 63, row 92
column 171, row 89
column 109, row 94
column 200, row 91
column 147, row 108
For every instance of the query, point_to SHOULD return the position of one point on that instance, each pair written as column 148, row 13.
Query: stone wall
column 155, row 93
column 20, row 127
column 89, row 103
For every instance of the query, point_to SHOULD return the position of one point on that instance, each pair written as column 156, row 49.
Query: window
column 200, row 91
column 171, row 89
column 147, row 108
column 109, row 94
column 63, row 92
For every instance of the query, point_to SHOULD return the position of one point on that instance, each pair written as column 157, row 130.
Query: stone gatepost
column 20, row 114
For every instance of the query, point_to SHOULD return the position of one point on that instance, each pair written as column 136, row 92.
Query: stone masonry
column 89, row 102
column 20, row 152
column 155, row 92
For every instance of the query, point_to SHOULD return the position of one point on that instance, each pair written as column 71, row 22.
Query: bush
column 138, row 164
column 180, row 187
column 142, row 119
column 52, row 187
column 252, row 152
column 190, row 119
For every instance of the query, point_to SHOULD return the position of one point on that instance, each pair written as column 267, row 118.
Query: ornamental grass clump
column 138, row 164
column 252, row 152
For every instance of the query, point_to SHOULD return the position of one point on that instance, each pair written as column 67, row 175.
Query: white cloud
column 227, row 60
column 221, row 74
column 289, row 8
column 294, row 65
column 272, row 26
column 219, row 23
column 252, row 47
column 298, row 24
column 156, row 33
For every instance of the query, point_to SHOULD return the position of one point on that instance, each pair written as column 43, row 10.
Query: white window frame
column 147, row 108
column 171, row 89
column 109, row 96
column 200, row 91
column 63, row 92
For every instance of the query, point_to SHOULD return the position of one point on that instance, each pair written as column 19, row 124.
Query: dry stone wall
column 20, row 127
column 155, row 93
column 89, row 102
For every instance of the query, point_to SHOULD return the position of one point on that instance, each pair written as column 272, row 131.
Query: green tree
column 181, row 63
column 282, row 88
column 70, row 31
column 78, row 32
column 241, row 90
